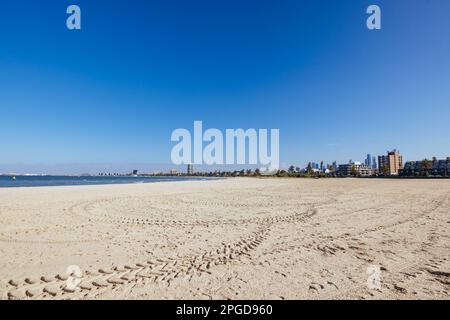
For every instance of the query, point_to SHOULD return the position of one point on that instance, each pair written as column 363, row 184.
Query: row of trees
column 307, row 172
column 235, row 173
column 294, row 171
column 428, row 164
column 427, row 167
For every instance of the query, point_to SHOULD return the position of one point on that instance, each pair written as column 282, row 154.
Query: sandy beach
column 241, row 238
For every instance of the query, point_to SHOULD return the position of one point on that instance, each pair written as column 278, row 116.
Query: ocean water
column 42, row 181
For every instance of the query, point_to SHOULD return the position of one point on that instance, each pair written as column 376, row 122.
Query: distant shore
column 13, row 181
column 9, row 181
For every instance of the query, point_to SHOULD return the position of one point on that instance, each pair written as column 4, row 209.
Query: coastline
column 168, row 178
column 28, row 181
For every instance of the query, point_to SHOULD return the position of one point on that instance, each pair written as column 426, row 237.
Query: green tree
column 309, row 168
column 282, row 173
column 353, row 171
column 384, row 169
column 427, row 164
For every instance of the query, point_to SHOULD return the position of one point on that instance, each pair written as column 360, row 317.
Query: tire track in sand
column 93, row 283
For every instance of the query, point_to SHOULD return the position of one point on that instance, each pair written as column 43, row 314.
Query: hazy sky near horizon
column 114, row 91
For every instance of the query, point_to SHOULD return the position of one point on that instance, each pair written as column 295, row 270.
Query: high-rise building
column 335, row 166
column 315, row 165
column 190, row 169
column 368, row 160
column 374, row 163
column 391, row 163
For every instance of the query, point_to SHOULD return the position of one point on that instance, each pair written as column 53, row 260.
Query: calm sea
column 41, row 181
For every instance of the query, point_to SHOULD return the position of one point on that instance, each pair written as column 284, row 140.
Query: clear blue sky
column 114, row 91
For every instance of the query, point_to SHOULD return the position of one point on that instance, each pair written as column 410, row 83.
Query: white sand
column 239, row 238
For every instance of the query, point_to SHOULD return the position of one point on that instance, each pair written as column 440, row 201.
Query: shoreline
column 94, row 181
column 204, row 178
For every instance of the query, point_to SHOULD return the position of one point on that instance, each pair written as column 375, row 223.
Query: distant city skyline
column 122, row 168
column 111, row 93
